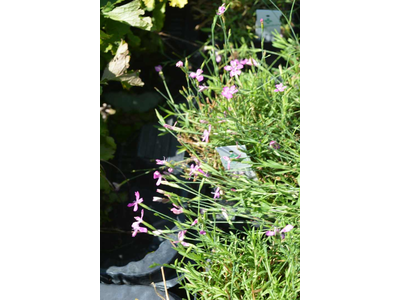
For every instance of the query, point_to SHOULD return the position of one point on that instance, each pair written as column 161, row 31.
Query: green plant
column 230, row 243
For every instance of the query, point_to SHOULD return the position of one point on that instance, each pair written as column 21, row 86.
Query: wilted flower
column 158, row 68
column 135, row 203
column 178, row 210
column 179, row 64
column 234, row 68
column 197, row 75
column 160, row 199
column 202, row 88
column 228, row 92
column 274, row 145
column 280, row 87
column 136, row 227
column 225, row 214
column 171, row 127
column 221, row 9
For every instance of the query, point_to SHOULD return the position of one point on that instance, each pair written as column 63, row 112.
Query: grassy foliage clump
column 226, row 252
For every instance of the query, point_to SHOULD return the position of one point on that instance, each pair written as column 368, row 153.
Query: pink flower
column 229, row 161
column 280, row 87
column 287, row 228
column 179, row 64
column 178, row 210
column 261, row 21
column 228, row 92
column 206, row 134
column 158, row 68
column 216, row 194
column 197, row 75
column 233, row 190
column 170, row 170
column 244, row 61
column 274, row 145
column 251, row 62
column 202, row 88
column 181, row 236
column 203, row 121
column 221, row 9
column 202, row 232
column 135, row 203
column 194, row 222
column 159, row 176
column 161, row 162
column 271, row 233
column 218, row 58
column 234, row 68
column 135, row 226
column 193, row 169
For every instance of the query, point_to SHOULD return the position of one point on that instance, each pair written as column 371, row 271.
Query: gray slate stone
column 132, row 292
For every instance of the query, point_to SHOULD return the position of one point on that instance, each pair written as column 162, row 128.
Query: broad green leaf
column 158, row 17
column 131, row 14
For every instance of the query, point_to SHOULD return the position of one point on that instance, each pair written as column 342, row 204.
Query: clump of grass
column 226, row 253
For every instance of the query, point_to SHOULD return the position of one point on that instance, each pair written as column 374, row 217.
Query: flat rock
column 132, row 292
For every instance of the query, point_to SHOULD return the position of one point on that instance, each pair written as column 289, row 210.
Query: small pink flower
column 203, row 121
column 287, row 228
column 178, row 210
column 228, row 92
column 179, row 64
column 274, row 145
column 206, row 134
column 204, row 173
column 197, row 75
column 216, row 194
column 271, row 233
column 194, row 222
column 218, row 58
column 135, row 226
column 221, row 9
column 202, row 232
column 161, row 162
column 170, row 170
column 244, row 61
column 229, row 161
column 135, row 203
column 181, row 236
column 234, row 68
column 202, row 88
column 158, row 68
column 233, row 190
column 251, row 62
column 280, row 87
column 261, row 21
column 158, row 176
